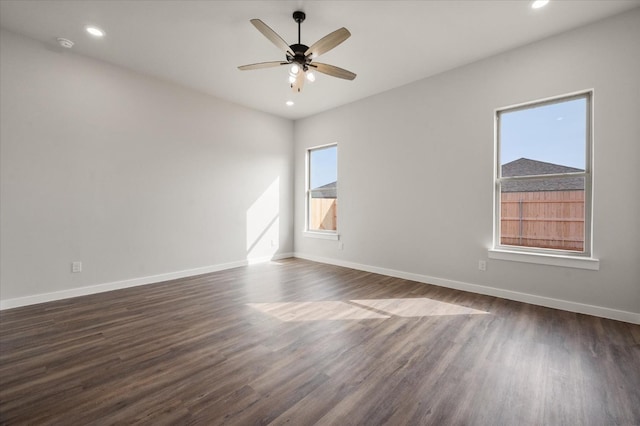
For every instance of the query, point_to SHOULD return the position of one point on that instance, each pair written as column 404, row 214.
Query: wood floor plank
column 297, row 342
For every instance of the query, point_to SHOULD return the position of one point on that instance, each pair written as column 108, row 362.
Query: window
column 322, row 189
column 543, row 177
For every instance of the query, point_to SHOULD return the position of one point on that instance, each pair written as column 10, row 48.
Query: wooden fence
column 547, row 219
column 323, row 214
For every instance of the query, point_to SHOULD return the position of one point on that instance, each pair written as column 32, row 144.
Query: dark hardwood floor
column 296, row 342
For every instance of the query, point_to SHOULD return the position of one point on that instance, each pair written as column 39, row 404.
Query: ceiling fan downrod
column 299, row 17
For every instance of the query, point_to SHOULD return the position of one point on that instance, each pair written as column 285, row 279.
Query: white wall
column 416, row 168
column 132, row 176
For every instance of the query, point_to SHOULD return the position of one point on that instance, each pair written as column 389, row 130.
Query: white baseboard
column 115, row 285
column 548, row 302
column 565, row 305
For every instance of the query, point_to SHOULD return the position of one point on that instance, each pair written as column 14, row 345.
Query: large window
column 322, row 189
column 543, row 178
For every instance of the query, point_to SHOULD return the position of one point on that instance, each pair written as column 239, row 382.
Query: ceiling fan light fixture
column 295, row 69
column 292, row 78
column 311, row 77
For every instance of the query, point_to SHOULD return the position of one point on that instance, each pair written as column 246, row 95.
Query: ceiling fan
column 300, row 57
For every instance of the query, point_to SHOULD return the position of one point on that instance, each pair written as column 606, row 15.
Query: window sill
column 546, row 259
column 322, row 235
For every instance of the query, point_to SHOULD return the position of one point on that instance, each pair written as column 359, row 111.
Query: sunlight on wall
column 263, row 225
column 361, row 309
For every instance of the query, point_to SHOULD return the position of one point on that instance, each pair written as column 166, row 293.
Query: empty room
column 320, row 212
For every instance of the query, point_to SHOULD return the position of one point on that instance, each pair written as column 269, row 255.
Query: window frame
column 318, row 233
column 538, row 254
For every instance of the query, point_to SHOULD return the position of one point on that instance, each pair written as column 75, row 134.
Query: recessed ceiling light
column 289, row 103
column 539, row 3
column 95, row 31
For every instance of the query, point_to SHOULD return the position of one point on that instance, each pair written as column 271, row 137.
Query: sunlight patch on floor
column 417, row 307
column 316, row 311
column 362, row 309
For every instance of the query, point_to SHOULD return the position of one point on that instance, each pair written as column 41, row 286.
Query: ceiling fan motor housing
column 299, row 49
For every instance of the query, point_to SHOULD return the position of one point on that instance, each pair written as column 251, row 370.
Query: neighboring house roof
column 527, row 167
column 326, row 191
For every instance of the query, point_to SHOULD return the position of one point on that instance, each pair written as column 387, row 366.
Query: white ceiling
column 199, row 44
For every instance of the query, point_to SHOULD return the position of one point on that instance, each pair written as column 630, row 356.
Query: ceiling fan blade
column 327, row 42
column 333, row 71
column 262, row 65
column 297, row 85
column 272, row 36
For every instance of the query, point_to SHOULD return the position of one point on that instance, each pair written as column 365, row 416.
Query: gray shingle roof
column 325, row 191
column 527, row 167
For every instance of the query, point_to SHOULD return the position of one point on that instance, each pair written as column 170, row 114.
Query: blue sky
column 324, row 166
column 554, row 133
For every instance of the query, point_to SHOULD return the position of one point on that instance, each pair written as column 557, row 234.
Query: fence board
column 323, row 214
column 546, row 219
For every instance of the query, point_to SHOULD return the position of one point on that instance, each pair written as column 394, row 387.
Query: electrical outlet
column 76, row 266
column 482, row 265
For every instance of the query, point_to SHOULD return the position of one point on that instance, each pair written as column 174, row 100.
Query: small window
column 543, row 179
column 322, row 189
